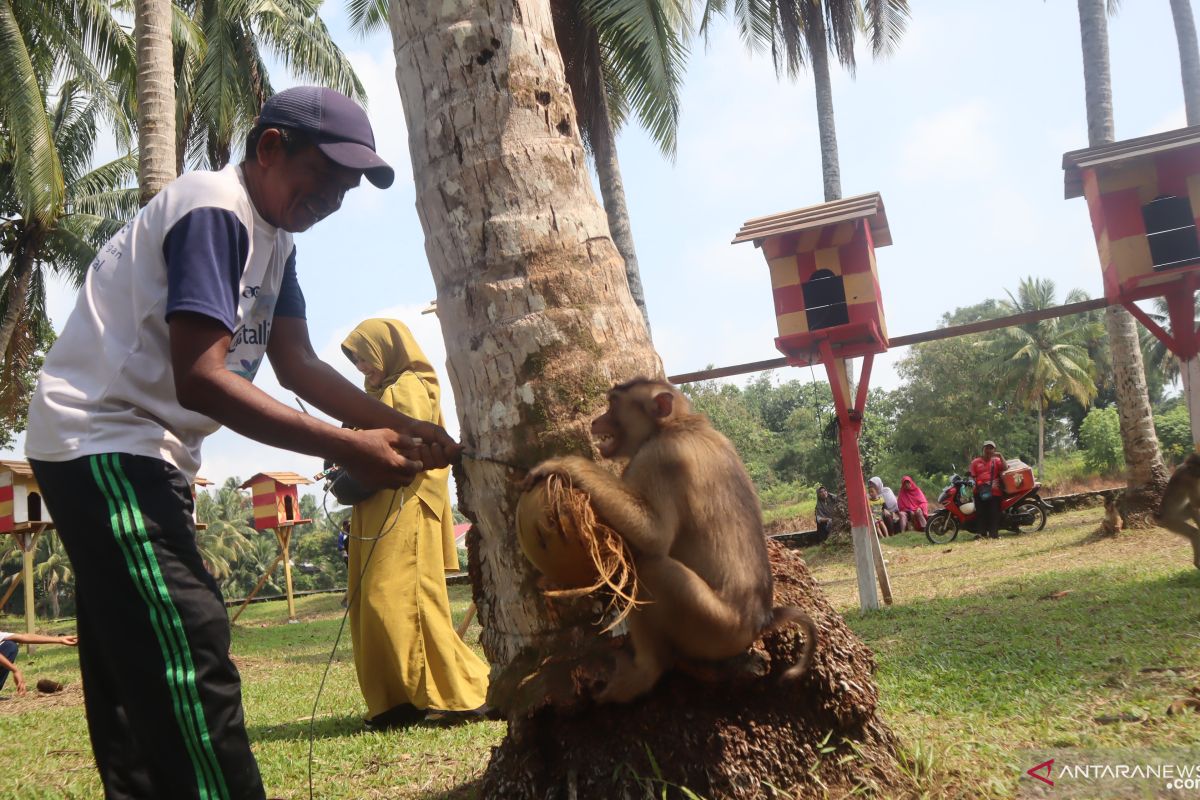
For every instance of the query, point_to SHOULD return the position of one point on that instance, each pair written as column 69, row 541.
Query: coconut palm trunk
column 155, row 96
column 612, row 190
column 818, row 46
column 538, row 325
column 1147, row 474
column 1189, row 69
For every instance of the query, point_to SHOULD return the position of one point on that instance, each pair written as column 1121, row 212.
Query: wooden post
column 27, row 541
column 12, row 588
column 257, row 587
column 885, row 583
column 1190, row 372
column 284, row 535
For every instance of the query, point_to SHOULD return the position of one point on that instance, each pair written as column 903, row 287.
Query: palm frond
column 885, row 22
column 641, row 43
column 367, row 16
column 297, row 36
column 38, row 175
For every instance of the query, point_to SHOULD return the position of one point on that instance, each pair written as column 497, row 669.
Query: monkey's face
column 1192, row 462
column 633, row 416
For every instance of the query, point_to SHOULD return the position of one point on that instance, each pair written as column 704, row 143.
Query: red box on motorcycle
column 1017, row 477
column 823, row 276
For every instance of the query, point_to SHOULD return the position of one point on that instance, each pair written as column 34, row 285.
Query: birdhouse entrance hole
column 825, row 300
column 289, row 509
column 1171, row 232
column 34, row 507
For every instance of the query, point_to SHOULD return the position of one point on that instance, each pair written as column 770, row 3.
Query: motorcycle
column 1023, row 511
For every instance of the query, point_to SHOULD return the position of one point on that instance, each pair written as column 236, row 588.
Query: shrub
column 1100, row 435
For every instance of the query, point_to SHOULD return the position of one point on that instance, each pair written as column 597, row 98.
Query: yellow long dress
column 405, row 647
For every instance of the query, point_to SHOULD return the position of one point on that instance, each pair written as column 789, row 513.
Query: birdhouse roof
column 21, row 468
column 198, row 481
column 868, row 206
column 286, row 478
column 1076, row 161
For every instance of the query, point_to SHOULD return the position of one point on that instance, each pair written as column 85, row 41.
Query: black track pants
column 163, row 699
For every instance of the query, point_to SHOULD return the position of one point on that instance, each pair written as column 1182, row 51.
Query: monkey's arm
column 640, row 523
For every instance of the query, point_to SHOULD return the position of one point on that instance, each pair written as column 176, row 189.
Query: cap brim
column 353, row 155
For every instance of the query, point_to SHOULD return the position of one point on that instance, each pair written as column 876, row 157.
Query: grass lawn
column 986, row 668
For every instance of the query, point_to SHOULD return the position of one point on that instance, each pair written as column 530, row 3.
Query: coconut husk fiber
column 562, row 537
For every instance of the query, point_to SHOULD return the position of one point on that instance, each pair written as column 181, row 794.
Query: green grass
column 978, row 674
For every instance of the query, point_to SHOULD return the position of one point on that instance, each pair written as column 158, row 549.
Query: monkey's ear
column 664, row 404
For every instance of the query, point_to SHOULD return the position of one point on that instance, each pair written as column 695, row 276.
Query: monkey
column 1180, row 507
column 1111, row 523
column 687, row 509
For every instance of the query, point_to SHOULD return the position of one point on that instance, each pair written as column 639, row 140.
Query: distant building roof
column 460, row 532
column 1116, row 152
column 21, row 468
column 286, row 478
column 819, row 216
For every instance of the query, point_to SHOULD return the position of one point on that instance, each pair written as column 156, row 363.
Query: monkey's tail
column 785, row 615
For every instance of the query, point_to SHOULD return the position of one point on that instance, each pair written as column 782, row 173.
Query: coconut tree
column 61, row 239
column 155, row 96
column 539, row 324
column 69, row 40
column 53, row 572
column 799, row 32
column 222, row 77
column 620, row 58
column 224, row 539
column 1147, row 472
column 1040, row 363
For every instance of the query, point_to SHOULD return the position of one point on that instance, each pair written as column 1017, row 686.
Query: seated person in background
column 824, row 513
column 889, row 512
column 913, row 506
column 9, row 647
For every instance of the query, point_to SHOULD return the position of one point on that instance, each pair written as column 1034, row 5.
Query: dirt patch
column 819, row 736
column 14, row 704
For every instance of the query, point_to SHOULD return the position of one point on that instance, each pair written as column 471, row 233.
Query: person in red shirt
column 986, row 470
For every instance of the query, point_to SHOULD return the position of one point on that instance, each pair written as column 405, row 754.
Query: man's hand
column 19, row 680
column 432, row 446
column 379, row 458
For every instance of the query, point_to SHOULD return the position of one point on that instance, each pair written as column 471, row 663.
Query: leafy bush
column 1174, row 431
column 1100, row 435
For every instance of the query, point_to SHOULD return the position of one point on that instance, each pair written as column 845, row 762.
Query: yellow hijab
column 388, row 345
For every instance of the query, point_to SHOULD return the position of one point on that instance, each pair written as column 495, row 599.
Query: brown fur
column 1179, row 510
column 1112, row 519
column 687, row 509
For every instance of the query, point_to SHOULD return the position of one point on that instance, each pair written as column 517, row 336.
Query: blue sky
column 962, row 131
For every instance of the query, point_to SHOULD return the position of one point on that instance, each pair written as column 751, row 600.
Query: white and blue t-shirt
column 107, row 385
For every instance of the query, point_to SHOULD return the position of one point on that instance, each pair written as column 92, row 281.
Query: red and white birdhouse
column 276, row 498
column 20, row 498
column 824, row 277
column 1143, row 196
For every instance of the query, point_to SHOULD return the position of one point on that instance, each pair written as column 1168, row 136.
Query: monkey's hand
column 567, row 466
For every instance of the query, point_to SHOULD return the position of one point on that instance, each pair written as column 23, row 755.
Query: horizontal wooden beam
column 910, row 339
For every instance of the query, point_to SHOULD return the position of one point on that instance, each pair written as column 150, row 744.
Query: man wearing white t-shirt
column 172, row 323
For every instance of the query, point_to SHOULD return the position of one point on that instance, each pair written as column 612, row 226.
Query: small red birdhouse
column 1144, row 199
column 823, row 276
column 276, row 499
column 20, row 498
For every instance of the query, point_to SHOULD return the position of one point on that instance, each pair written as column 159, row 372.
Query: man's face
column 302, row 188
column 822, row 493
column 989, row 451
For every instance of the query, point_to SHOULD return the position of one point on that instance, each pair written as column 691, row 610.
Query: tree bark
column 1041, row 438
column 1147, row 474
column 612, row 190
column 1189, row 57
column 18, row 296
column 155, row 96
column 538, row 325
column 818, row 47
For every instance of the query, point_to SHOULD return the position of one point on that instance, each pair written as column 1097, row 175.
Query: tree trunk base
column 818, row 736
column 1138, row 506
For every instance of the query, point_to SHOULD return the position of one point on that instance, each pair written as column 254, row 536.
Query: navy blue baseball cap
column 338, row 125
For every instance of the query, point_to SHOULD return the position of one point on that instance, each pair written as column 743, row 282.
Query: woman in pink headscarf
column 913, row 505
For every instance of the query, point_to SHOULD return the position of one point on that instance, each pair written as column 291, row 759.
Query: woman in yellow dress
column 411, row 664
